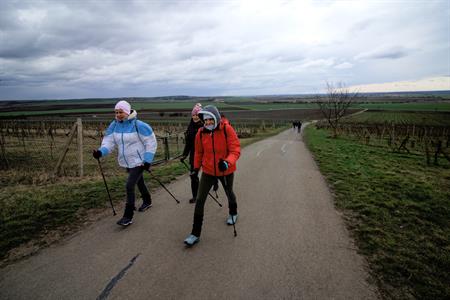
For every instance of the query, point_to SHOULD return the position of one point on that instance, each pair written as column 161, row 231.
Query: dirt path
column 291, row 243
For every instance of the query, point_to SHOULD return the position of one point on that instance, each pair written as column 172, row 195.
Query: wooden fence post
column 66, row 148
column 80, row 146
column 166, row 148
column 2, row 146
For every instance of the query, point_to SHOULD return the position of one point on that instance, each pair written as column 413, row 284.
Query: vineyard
column 401, row 118
column 35, row 152
column 420, row 133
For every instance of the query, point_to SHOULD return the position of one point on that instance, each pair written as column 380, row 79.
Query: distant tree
column 335, row 103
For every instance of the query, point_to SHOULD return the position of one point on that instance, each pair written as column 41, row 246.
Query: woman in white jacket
column 136, row 143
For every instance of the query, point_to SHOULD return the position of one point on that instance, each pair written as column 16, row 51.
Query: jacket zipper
column 214, row 153
column 123, row 152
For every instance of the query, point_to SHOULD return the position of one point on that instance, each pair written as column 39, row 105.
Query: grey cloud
column 384, row 53
column 106, row 48
column 362, row 25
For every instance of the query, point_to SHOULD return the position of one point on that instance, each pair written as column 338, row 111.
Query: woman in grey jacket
column 136, row 143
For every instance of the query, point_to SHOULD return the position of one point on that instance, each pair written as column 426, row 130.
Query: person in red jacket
column 217, row 150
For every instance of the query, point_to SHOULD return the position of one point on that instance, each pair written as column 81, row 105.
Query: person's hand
column 97, row 154
column 195, row 172
column 183, row 158
column 223, row 165
column 146, row 166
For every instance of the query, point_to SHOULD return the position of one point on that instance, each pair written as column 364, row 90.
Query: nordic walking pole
column 106, row 185
column 161, row 184
column 226, row 191
column 209, row 193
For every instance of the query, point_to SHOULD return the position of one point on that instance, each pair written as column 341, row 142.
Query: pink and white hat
column 196, row 109
column 124, row 105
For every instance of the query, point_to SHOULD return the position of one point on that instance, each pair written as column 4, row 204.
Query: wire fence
column 41, row 151
column 33, row 152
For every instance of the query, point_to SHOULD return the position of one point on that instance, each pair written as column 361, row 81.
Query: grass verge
column 33, row 216
column 398, row 210
column 29, row 212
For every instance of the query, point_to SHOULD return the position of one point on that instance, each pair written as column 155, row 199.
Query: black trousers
column 135, row 177
column 194, row 182
column 206, row 182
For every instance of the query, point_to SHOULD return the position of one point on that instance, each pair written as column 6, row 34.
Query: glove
column 97, row 154
column 146, row 166
column 223, row 165
column 195, row 172
column 182, row 158
column 216, row 185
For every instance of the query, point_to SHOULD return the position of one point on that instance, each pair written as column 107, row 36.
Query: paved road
column 291, row 244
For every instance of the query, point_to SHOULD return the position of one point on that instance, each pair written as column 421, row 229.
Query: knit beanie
column 124, row 105
column 196, row 109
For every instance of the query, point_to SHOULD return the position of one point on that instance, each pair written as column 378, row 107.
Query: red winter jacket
column 210, row 147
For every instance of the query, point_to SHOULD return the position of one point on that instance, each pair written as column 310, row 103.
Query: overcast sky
column 80, row 49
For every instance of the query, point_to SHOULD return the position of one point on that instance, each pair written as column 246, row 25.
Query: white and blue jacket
column 135, row 141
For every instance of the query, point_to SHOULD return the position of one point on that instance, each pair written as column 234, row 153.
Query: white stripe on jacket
column 135, row 140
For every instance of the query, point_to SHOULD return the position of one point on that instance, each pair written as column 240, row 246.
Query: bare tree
column 335, row 103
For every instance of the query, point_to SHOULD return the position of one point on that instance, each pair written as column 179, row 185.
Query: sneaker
column 192, row 200
column 191, row 240
column 144, row 207
column 232, row 219
column 124, row 222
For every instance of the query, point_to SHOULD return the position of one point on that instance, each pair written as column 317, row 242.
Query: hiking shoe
column 192, row 200
column 191, row 240
column 124, row 222
column 144, row 207
column 232, row 219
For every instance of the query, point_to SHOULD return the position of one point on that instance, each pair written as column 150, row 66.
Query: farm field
column 184, row 104
column 400, row 117
column 407, row 106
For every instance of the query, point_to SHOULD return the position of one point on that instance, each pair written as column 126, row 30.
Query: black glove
column 216, row 185
column 182, row 158
column 146, row 166
column 97, row 154
column 223, row 165
column 195, row 172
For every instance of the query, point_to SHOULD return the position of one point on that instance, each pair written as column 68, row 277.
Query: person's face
column 196, row 118
column 120, row 114
column 209, row 122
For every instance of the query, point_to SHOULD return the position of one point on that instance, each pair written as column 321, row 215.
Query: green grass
column 416, row 106
column 29, row 211
column 276, row 106
column 58, row 107
column 404, row 118
column 398, row 210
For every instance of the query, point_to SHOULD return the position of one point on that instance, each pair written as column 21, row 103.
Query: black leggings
column 135, row 176
column 206, row 182
column 194, row 182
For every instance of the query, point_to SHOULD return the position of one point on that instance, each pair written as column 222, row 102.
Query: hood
column 212, row 111
column 130, row 117
column 133, row 115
